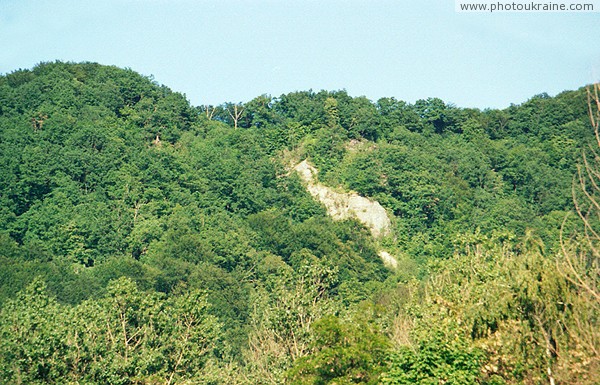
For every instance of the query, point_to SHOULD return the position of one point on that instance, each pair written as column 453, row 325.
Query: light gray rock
column 341, row 205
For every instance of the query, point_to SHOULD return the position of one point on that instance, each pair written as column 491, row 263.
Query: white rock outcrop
column 388, row 260
column 346, row 205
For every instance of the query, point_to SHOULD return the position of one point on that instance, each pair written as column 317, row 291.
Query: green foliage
column 126, row 337
column 433, row 361
column 286, row 303
column 173, row 239
column 343, row 352
column 33, row 341
column 493, row 316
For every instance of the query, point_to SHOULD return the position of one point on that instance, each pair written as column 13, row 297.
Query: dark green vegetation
column 147, row 241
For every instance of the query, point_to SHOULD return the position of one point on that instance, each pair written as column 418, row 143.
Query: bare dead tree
column 38, row 121
column 581, row 262
column 209, row 111
column 236, row 114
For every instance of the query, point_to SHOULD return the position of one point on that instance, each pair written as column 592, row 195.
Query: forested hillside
column 147, row 241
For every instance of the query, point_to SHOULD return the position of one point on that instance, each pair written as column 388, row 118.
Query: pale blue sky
column 235, row 50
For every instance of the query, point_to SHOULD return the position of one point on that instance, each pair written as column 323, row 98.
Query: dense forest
column 144, row 240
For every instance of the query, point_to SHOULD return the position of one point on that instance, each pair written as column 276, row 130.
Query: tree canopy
column 146, row 240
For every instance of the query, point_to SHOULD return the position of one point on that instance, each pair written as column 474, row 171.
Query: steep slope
column 346, row 205
column 134, row 206
column 342, row 205
column 104, row 173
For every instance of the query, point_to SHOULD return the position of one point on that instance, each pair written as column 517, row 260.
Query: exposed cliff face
column 346, row 205
column 388, row 260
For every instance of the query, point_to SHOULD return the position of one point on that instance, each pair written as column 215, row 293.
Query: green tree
column 342, row 352
column 34, row 338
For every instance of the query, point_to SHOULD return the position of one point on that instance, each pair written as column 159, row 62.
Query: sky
column 235, row 50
